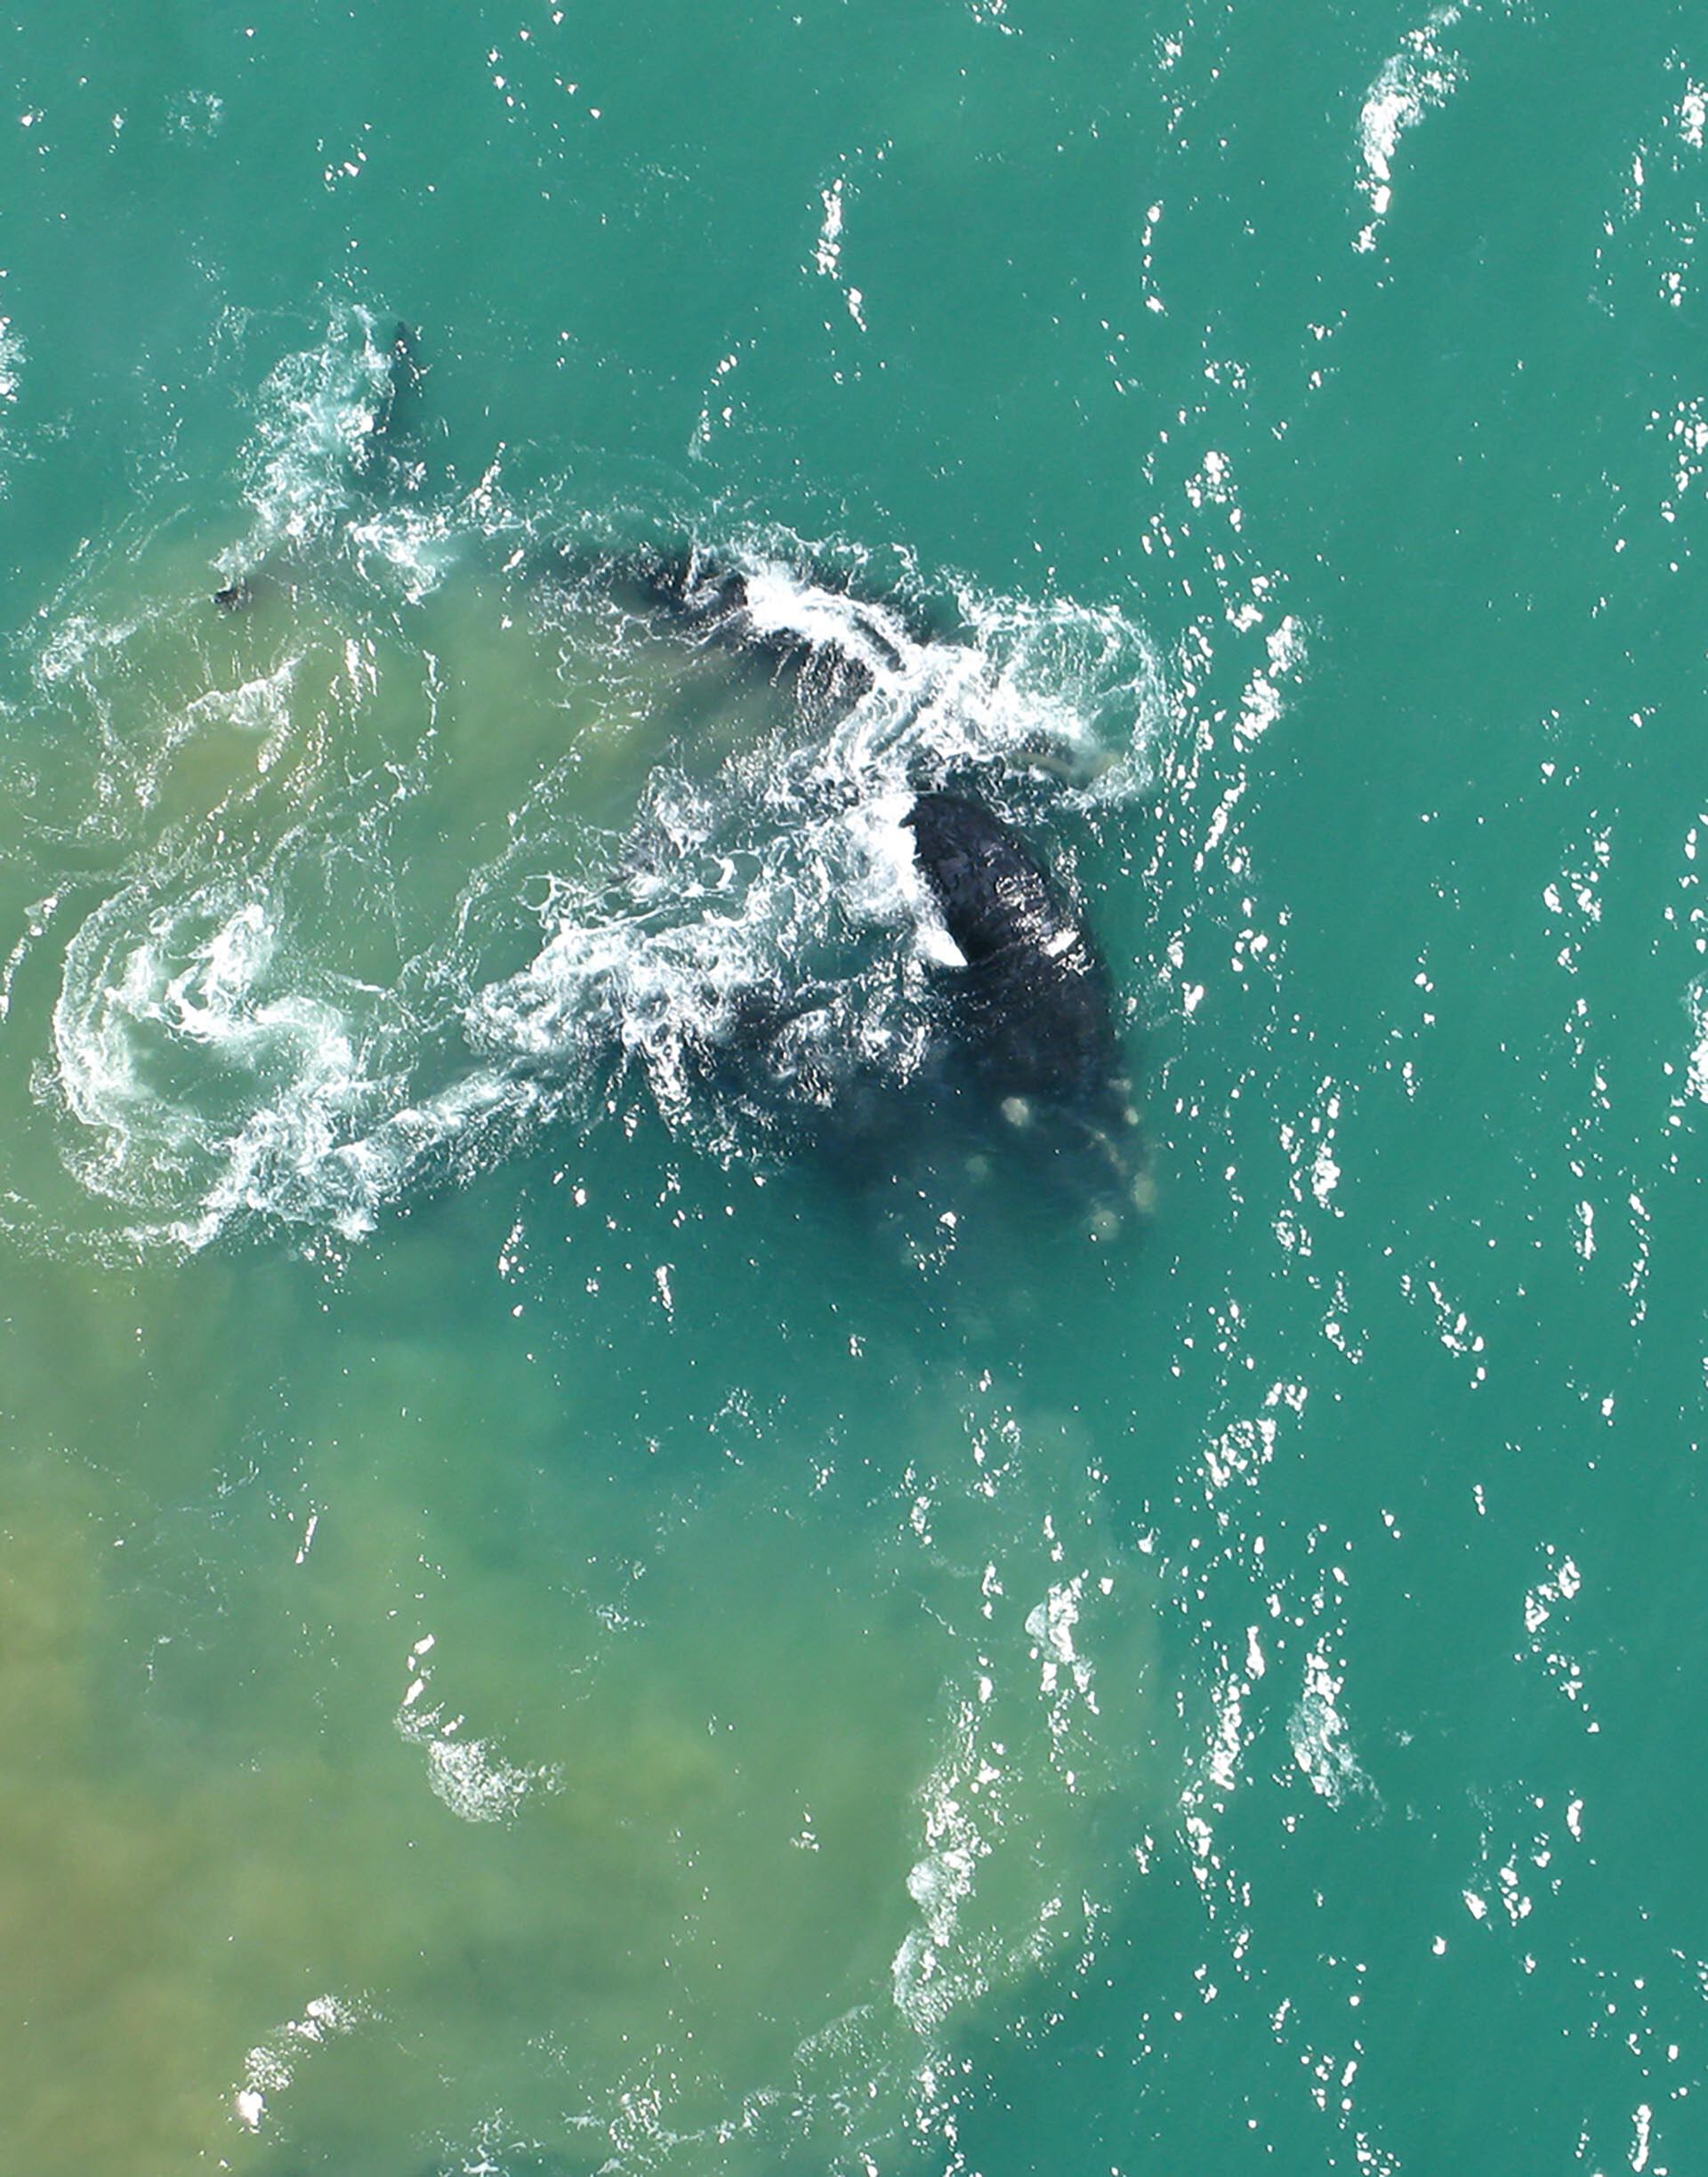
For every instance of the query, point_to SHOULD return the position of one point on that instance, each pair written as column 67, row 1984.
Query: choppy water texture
column 565, row 1607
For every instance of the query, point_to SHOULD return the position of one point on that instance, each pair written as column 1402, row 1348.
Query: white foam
column 11, row 366
column 984, row 1883
column 472, row 1779
column 1697, row 1064
column 11, row 361
column 272, row 2064
column 319, row 412
column 781, row 600
column 259, row 707
column 1318, row 1730
column 468, row 1775
column 1421, row 76
column 319, row 426
column 287, row 1071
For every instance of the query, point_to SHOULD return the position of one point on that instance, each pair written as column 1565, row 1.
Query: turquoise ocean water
column 553, row 1619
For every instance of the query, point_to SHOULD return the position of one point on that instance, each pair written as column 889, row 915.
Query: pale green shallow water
column 545, row 1627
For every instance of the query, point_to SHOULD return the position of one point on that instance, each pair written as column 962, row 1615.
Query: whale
column 1033, row 993
column 1030, row 1027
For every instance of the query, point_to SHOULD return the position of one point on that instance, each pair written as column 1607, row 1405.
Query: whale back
column 996, row 896
column 1035, row 1001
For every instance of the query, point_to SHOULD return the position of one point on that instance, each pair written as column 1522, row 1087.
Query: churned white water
column 219, row 1050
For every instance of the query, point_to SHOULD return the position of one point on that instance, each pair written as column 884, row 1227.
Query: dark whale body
column 1031, row 1028
column 1034, row 999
